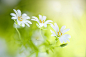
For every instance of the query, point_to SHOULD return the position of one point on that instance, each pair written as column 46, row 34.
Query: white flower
column 21, row 19
column 23, row 52
column 37, row 39
column 3, row 47
column 10, row 3
column 40, row 54
column 59, row 34
column 41, row 21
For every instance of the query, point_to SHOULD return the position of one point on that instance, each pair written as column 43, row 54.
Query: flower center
column 20, row 18
column 59, row 33
column 41, row 21
column 37, row 38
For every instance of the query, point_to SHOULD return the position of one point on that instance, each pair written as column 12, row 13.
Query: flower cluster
column 22, row 19
column 37, row 38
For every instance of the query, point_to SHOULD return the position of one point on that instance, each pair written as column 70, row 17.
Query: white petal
column 67, row 39
column 14, row 18
column 61, row 40
column 23, row 25
column 56, row 27
column 62, row 28
column 44, row 18
column 53, row 33
column 41, row 24
column 53, row 27
column 48, row 21
column 15, row 11
column 40, row 17
column 35, row 19
column 24, row 16
column 67, row 35
column 19, row 12
column 64, row 38
column 27, row 17
column 29, row 22
column 12, row 14
column 18, row 22
column 65, row 30
column 45, row 25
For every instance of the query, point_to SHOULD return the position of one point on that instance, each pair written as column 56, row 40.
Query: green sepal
column 63, row 45
column 56, row 39
column 47, row 51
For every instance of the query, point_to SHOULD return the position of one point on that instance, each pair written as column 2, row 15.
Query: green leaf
column 47, row 51
column 63, row 45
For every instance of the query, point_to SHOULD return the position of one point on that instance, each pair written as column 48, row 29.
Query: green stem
column 43, row 37
column 37, row 54
column 41, row 33
column 18, row 32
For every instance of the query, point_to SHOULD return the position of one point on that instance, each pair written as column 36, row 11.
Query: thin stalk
column 43, row 37
column 41, row 33
column 18, row 32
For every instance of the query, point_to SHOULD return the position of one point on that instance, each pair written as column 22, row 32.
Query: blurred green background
column 71, row 13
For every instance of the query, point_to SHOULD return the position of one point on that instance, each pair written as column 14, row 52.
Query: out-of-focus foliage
column 71, row 13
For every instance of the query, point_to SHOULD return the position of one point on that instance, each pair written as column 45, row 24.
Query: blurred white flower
column 40, row 54
column 16, row 25
column 3, row 47
column 37, row 39
column 59, row 34
column 21, row 19
column 10, row 2
column 41, row 21
column 23, row 52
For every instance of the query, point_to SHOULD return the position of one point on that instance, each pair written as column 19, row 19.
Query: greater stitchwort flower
column 21, row 19
column 40, row 54
column 40, row 42
column 60, row 33
column 41, row 21
column 37, row 38
column 23, row 52
column 3, row 47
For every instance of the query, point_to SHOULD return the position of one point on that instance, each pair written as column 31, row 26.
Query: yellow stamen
column 43, row 21
column 40, row 21
column 58, row 33
column 19, row 18
column 61, row 33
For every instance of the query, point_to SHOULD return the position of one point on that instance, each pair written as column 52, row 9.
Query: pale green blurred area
column 71, row 13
